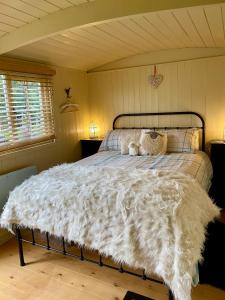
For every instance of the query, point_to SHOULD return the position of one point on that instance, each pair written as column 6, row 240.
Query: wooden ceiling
column 97, row 44
column 17, row 13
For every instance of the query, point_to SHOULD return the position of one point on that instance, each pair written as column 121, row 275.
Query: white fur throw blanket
column 153, row 220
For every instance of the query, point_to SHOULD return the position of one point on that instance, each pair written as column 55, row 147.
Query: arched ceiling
column 97, row 43
column 17, row 13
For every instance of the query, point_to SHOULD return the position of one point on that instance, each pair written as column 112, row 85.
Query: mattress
column 197, row 164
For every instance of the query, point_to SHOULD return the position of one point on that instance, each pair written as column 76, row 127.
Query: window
column 25, row 110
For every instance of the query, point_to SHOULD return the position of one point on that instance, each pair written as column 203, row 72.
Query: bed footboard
column 120, row 268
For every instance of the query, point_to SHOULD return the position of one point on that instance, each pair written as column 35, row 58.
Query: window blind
column 26, row 115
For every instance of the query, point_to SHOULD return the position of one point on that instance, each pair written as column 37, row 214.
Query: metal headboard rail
column 202, row 127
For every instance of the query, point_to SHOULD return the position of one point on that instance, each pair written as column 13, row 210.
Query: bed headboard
column 176, row 113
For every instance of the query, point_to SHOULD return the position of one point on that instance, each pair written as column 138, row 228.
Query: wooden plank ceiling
column 17, row 13
column 88, row 47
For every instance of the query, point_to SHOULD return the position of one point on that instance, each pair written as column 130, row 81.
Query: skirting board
column 5, row 236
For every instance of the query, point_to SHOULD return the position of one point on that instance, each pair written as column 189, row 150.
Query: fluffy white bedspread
column 147, row 219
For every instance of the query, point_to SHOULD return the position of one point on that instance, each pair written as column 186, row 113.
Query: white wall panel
column 197, row 85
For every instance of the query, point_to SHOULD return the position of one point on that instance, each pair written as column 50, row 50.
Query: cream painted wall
column 197, row 85
column 69, row 129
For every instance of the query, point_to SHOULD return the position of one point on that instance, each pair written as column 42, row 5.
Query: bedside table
column 217, row 190
column 212, row 271
column 89, row 146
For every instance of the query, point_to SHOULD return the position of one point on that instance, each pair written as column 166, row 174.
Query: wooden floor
column 49, row 276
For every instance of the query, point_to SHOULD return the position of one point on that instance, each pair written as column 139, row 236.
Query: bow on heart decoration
column 155, row 79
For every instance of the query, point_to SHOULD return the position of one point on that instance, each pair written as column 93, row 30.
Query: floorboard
column 52, row 276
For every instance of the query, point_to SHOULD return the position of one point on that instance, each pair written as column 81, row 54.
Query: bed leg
column 64, row 246
column 81, row 253
column 33, row 238
column 121, row 268
column 47, row 240
column 144, row 277
column 20, row 246
column 170, row 294
column 100, row 261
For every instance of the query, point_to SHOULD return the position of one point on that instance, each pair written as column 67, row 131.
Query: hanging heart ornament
column 155, row 79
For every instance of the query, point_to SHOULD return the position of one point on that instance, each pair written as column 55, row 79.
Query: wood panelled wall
column 69, row 128
column 197, row 85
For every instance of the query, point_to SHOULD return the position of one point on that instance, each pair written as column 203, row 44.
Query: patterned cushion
column 112, row 140
column 182, row 140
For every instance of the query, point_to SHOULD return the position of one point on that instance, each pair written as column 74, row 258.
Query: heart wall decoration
column 155, row 79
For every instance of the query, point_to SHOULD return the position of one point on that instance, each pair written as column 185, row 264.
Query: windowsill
column 27, row 148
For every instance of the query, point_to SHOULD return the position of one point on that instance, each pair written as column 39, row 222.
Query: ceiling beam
column 94, row 12
column 160, row 57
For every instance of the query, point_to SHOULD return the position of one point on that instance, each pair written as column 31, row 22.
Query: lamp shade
column 93, row 129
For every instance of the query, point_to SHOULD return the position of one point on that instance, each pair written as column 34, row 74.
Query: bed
column 196, row 165
column 146, row 212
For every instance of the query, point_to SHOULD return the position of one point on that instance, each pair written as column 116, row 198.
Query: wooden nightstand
column 90, row 146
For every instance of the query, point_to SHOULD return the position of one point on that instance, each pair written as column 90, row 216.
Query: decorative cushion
column 152, row 143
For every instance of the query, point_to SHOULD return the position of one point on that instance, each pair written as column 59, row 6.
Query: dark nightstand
column 217, row 190
column 213, row 269
column 89, row 146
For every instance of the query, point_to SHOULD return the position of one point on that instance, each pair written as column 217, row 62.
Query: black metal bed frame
column 100, row 262
column 191, row 113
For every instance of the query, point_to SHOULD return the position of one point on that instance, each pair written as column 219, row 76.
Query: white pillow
column 128, row 136
column 179, row 140
column 152, row 143
column 124, row 144
column 196, row 140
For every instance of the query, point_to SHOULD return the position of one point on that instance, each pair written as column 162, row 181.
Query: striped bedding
column 197, row 165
